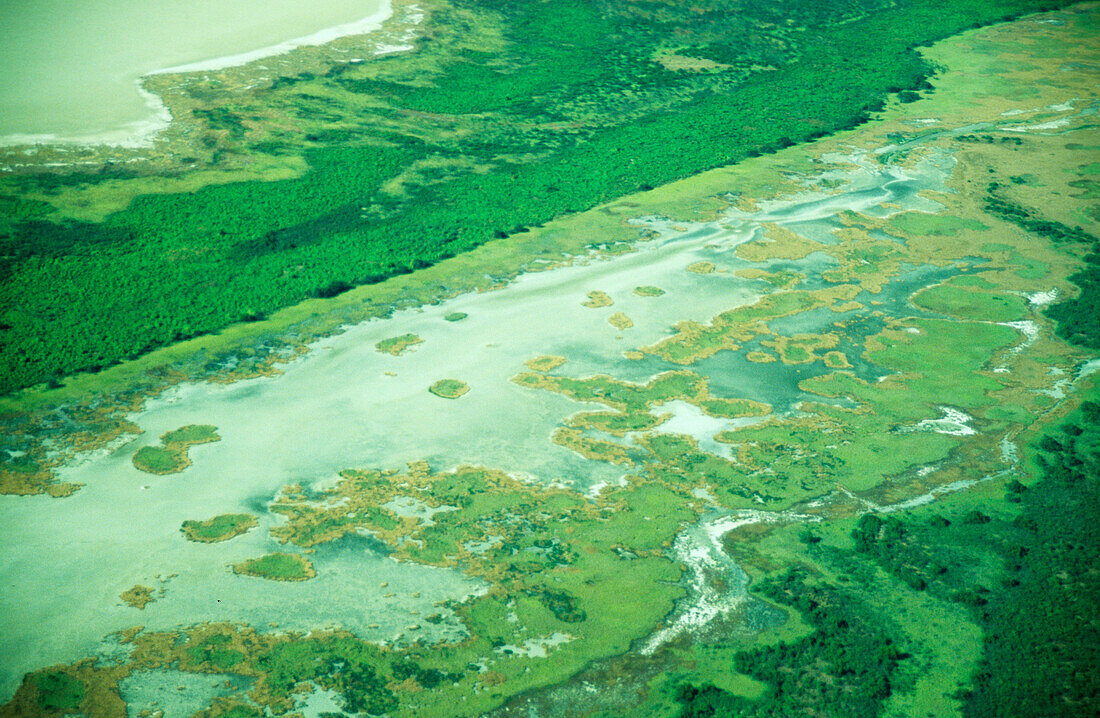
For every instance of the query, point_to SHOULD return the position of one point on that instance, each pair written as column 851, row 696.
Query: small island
column 449, row 388
column 219, row 528
column 138, row 597
column 456, row 316
column 620, row 321
column 398, row 345
column 277, row 567
column 597, row 299
column 171, row 457
column 545, row 363
column 647, row 290
column 701, row 267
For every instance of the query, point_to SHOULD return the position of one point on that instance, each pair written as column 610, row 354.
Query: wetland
column 809, row 409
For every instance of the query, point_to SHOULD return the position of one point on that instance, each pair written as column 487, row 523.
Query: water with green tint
column 69, row 69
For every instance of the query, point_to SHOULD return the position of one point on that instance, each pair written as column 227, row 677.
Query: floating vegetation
column 172, row 456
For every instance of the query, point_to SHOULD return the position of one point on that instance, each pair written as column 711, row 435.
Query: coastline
column 363, row 26
column 144, row 132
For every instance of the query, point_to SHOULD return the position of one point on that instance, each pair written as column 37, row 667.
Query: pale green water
column 69, row 68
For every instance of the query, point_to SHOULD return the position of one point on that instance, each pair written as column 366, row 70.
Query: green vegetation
column 138, row 597
column 172, row 456
column 1042, row 621
column 844, row 668
column 220, row 528
column 449, row 388
column 277, row 567
column 922, row 223
column 398, row 345
column 648, row 291
column 456, row 316
column 597, row 299
column 59, row 691
column 966, row 304
column 545, row 363
column 497, row 84
column 620, row 321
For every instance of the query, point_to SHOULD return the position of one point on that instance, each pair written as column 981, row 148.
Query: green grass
column 958, row 302
column 939, row 225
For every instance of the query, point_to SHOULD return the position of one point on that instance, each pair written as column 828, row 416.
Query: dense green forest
column 572, row 107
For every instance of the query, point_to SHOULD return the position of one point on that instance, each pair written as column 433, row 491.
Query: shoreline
column 143, row 133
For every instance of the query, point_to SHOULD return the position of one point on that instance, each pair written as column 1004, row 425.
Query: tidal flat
column 488, row 543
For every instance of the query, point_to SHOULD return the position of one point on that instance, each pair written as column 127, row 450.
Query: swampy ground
column 815, row 432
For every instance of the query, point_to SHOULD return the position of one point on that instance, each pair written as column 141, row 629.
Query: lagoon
column 70, row 70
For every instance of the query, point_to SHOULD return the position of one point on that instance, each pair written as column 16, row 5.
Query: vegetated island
column 138, row 597
column 545, row 363
column 277, row 567
column 620, row 321
column 171, row 457
column 456, row 316
column 597, row 299
column 647, row 290
column 398, row 345
column 219, row 528
column 449, row 388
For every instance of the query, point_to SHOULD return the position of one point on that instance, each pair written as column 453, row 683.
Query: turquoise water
column 69, row 69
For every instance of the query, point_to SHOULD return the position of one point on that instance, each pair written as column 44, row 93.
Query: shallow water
column 344, row 405
column 69, row 69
